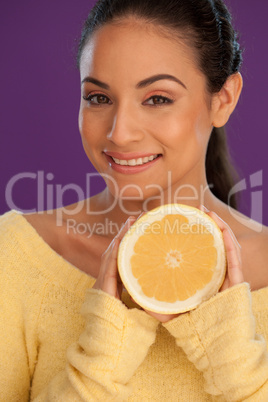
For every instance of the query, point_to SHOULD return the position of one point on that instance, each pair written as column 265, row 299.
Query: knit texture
column 63, row 341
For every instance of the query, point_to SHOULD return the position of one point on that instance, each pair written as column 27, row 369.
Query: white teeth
column 123, row 163
column 134, row 162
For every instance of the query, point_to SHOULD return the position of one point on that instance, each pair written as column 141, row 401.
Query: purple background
column 40, row 93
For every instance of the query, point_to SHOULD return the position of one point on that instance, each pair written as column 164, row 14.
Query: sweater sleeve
column 219, row 339
column 101, row 364
column 15, row 363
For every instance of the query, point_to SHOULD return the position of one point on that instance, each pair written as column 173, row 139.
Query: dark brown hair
column 206, row 26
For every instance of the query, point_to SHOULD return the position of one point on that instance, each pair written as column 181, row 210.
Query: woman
column 158, row 81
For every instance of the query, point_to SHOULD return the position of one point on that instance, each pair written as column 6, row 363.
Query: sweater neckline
column 56, row 268
column 54, row 264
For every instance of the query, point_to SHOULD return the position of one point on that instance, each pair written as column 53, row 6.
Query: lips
column 135, row 162
column 130, row 163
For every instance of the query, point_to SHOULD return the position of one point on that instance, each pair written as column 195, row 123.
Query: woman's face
column 143, row 97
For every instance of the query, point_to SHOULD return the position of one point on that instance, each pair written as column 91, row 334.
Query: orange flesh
column 172, row 259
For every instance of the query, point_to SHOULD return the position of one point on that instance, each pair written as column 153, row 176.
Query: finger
column 223, row 225
column 111, row 267
column 233, row 251
column 120, row 234
column 162, row 317
column 140, row 215
column 110, row 279
column 203, row 208
column 235, row 274
column 110, row 253
column 105, row 255
column 220, row 222
column 125, row 227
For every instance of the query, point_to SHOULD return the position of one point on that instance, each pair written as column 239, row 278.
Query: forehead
column 139, row 48
column 132, row 40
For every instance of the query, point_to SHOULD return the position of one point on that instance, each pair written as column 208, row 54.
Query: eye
column 157, row 100
column 97, row 99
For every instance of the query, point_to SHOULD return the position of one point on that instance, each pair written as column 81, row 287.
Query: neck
column 117, row 210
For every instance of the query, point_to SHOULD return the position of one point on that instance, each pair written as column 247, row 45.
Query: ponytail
column 221, row 174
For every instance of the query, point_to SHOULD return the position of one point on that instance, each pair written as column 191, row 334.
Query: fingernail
column 112, row 243
column 130, row 221
column 204, row 208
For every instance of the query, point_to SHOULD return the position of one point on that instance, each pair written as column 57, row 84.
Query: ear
column 224, row 102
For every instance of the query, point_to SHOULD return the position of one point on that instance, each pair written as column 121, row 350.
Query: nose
column 126, row 126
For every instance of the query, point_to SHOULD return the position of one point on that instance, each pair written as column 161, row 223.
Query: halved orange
column 172, row 259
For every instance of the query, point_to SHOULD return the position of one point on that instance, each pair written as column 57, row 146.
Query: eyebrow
column 96, row 82
column 142, row 84
column 155, row 78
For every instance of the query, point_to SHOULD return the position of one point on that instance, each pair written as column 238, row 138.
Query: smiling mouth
column 135, row 162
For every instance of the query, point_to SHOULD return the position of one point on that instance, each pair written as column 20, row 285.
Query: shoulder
column 22, row 231
column 70, row 235
column 254, row 252
column 253, row 238
column 11, row 228
column 21, row 245
column 16, row 249
column 45, row 225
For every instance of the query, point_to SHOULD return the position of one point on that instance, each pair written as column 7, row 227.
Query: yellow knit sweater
column 63, row 341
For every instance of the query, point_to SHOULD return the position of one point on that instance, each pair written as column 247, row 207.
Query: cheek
column 183, row 134
column 174, row 128
column 88, row 134
column 89, row 127
column 94, row 126
column 82, row 123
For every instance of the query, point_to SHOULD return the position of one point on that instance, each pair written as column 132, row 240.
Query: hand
column 108, row 279
column 162, row 317
column 234, row 273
